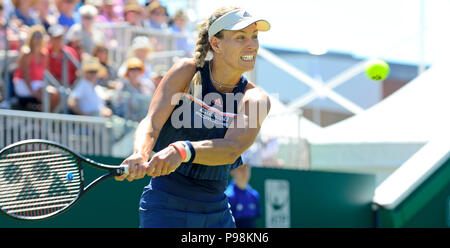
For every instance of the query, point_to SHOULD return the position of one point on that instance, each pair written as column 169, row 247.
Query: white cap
column 236, row 20
column 56, row 30
column 75, row 33
column 88, row 10
column 141, row 42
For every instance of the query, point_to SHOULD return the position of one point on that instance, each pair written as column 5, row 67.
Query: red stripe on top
column 206, row 106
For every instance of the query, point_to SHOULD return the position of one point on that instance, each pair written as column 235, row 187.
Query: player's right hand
column 136, row 168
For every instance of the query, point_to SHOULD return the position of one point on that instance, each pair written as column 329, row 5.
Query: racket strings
column 34, row 180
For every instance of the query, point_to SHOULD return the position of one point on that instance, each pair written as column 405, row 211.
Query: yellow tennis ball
column 377, row 69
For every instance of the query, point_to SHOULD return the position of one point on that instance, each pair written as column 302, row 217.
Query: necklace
column 217, row 83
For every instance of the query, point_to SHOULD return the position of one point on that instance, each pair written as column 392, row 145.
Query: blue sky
column 389, row 29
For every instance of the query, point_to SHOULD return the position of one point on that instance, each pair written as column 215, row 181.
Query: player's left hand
column 164, row 162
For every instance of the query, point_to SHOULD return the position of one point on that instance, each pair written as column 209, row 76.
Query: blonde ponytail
column 202, row 48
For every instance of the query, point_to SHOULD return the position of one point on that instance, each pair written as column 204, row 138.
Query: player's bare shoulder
column 184, row 65
column 178, row 77
column 255, row 95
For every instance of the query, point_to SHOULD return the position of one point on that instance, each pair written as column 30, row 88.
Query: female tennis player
column 198, row 124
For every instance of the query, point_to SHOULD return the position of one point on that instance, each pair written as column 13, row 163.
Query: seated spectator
column 135, row 83
column 24, row 12
column 157, row 19
column 9, row 31
column 45, row 13
column 132, row 13
column 73, row 39
column 109, row 76
column 107, row 13
column 83, row 99
column 89, row 34
column 141, row 48
column 178, row 26
column 133, row 98
column 55, row 53
column 157, row 16
column 67, row 14
column 29, row 75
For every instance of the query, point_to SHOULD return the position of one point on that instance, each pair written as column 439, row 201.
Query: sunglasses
column 158, row 12
column 37, row 35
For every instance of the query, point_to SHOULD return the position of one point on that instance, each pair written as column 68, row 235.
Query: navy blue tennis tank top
column 199, row 119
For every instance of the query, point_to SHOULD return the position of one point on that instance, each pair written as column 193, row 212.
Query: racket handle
column 125, row 168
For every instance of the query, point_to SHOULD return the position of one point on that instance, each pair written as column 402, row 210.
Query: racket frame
column 113, row 170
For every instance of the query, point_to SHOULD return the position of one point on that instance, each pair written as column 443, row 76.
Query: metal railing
column 87, row 135
column 119, row 37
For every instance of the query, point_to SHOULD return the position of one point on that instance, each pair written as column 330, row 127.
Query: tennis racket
column 40, row 179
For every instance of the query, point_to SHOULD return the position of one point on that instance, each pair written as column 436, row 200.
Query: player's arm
column 175, row 81
column 240, row 136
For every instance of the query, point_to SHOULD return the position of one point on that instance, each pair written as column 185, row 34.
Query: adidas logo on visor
column 245, row 14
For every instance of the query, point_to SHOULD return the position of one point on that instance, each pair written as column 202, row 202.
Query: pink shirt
column 35, row 69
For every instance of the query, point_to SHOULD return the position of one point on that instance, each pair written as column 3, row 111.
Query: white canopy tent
column 283, row 122
column 381, row 138
column 385, row 136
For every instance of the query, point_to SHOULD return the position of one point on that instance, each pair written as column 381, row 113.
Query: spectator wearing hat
column 178, row 26
column 135, row 93
column 107, row 13
column 135, row 82
column 95, row 3
column 55, row 53
column 73, row 39
column 83, row 99
column 109, row 76
column 133, row 13
column 157, row 16
column 29, row 76
column 90, row 35
column 141, row 48
column 67, row 14
column 23, row 10
column 158, row 20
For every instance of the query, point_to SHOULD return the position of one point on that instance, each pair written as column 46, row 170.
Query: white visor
column 236, row 20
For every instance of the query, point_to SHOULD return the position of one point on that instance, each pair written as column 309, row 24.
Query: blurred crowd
column 65, row 38
column 68, row 46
